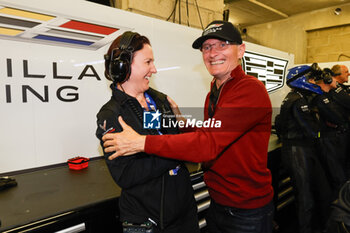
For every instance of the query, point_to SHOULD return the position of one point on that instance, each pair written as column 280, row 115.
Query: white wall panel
column 37, row 133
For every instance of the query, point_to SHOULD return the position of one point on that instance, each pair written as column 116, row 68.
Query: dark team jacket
column 341, row 97
column 331, row 114
column 296, row 121
column 346, row 88
column 148, row 189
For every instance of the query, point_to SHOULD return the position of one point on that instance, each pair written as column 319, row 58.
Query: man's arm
column 244, row 109
column 127, row 142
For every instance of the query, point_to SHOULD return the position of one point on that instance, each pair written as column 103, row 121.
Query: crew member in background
column 341, row 97
column 341, row 75
column 234, row 155
column 157, row 194
column 333, row 126
column 299, row 129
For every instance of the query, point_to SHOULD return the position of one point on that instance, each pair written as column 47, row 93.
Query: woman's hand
column 125, row 143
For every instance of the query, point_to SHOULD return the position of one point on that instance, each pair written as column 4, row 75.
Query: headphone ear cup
column 120, row 67
column 327, row 79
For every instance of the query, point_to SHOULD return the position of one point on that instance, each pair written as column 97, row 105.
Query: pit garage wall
column 51, row 89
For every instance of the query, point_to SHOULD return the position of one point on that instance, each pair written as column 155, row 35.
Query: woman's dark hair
column 137, row 43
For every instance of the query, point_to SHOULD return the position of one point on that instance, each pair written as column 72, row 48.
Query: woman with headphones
column 157, row 194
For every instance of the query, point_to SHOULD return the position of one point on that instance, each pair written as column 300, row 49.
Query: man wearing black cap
column 234, row 157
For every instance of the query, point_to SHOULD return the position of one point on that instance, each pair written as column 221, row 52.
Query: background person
column 156, row 192
column 341, row 75
column 298, row 128
column 235, row 155
column 333, row 126
column 341, row 98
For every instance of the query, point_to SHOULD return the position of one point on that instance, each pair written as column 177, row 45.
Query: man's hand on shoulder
column 127, row 142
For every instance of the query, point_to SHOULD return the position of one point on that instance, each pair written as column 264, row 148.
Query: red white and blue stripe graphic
column 34, row 26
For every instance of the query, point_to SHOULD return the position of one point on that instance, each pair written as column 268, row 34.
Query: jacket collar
column 122, row 96
column 236, row 75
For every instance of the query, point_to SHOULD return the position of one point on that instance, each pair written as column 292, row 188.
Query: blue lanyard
column 153, row 107
column 150, row 103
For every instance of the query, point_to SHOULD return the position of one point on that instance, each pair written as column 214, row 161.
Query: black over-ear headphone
column 119, row 67
column 325, row 75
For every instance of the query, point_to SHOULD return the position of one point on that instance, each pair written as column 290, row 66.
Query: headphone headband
column 126, row 39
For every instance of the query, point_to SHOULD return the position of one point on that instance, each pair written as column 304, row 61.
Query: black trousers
column 224, row 219
column 311, row 186
column 332, row 153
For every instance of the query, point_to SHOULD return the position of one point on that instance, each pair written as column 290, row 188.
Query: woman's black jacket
column 148, row 190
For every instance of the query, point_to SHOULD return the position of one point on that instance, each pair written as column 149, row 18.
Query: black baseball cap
column 221, row 30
